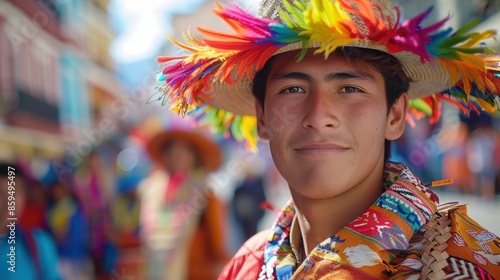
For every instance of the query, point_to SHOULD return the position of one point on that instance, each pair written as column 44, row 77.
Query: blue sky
column 142, row 25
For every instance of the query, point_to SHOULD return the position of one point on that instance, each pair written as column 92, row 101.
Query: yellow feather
column 248, row 127
column 199, row 51
column 477, row 38
column 475, row 67
column 491, row 109
column 324, row 19
column 451, row 69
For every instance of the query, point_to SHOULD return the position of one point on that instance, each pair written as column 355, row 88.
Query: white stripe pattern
column 461, row 270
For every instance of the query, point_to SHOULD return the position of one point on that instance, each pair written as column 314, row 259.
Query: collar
column 367, row 243
column 295, row 238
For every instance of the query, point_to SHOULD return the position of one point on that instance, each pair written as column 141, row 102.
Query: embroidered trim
column 376, row 226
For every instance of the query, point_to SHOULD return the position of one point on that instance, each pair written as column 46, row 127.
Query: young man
column 332, row 82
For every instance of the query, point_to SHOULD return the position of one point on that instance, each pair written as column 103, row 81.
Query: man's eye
column 349, row 89
column 292, row 90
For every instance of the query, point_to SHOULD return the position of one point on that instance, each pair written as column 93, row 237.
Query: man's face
column 326, row 122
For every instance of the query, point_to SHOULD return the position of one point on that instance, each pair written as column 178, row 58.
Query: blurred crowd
column 107, row 218
column 72, row 224
column 466, row 150
column 100, row 221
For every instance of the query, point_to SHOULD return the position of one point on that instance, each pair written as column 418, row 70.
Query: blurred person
column 34, row 212
column 25, row 253
column 481, row 146
column 68, row 225
column 36, row 202
column 247, row 201
column 173, row 198
column 92, row 184
column 330, row 84
column 125, row 226
column 454, row 138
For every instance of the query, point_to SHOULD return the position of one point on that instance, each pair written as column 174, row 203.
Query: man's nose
column 320, row 111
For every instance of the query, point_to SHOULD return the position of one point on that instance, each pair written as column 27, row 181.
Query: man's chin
column 321, row 189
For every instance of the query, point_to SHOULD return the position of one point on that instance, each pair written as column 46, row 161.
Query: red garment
column 174, row 184
column 33, row 216
column 248, row 261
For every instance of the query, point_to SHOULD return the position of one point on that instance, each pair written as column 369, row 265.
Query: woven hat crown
column 427, row 78
column 269, row 9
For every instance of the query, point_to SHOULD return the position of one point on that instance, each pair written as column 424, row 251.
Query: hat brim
column 209, row 152
column 428, row 78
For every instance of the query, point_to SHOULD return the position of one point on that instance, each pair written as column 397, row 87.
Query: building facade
column 57, row 78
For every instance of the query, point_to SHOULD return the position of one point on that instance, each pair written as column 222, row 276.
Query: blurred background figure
column 125, row 232
column 33, row 215
column 35, row 253
column 481, row 150
column 248, row 198
column 173, row 202
column 68, row 225
column 93, row 185
column 454, row 145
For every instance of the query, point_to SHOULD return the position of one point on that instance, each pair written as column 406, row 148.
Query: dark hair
column 396, row 80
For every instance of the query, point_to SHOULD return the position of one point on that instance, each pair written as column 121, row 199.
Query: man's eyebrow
column 292, row 76
column 350, row 75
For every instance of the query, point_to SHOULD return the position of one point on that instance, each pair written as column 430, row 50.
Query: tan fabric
column 167, row 229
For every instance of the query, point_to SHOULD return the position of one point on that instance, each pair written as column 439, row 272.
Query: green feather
column 421, row 106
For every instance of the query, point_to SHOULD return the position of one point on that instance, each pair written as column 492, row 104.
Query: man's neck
column 321, row 218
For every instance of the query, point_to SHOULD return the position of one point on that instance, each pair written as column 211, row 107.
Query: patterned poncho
column 402, row 235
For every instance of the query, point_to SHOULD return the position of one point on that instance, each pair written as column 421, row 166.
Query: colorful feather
column 375, row 28
column 411, row 37
column 228, row 57
column 328, row 25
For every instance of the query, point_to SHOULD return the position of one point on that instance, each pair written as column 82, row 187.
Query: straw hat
column 215, row 74
column 209, row 152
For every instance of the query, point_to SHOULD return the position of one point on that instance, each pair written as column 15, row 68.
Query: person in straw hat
column 329, row 84
column 173, row 202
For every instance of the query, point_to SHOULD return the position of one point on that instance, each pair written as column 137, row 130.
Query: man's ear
column 397, row 118
column 261, row 123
